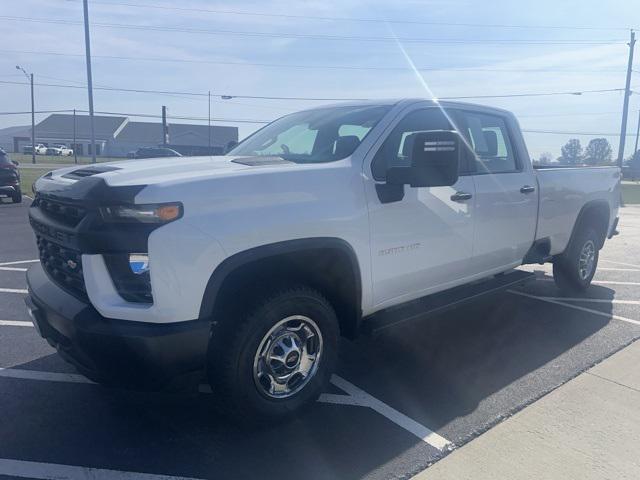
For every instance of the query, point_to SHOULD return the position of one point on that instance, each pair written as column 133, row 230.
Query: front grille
column 63, row 265
column 65, row 213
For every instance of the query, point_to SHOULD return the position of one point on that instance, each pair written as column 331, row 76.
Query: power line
column 181, row 117
column 320, row 99
column 355, row 19
column 146, row 115
column 305, row 36
column 37, row 111
column 321, row 67
column 558, row 132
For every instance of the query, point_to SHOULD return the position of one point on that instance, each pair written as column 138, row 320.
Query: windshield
column 314, row 136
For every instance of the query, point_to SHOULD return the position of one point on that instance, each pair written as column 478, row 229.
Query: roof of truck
column 409, row 101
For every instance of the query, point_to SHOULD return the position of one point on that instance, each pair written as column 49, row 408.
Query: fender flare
column 583, row 211
column 230, row 264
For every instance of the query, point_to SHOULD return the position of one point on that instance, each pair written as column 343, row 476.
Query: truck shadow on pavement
column 456, row 374
column 478, row 363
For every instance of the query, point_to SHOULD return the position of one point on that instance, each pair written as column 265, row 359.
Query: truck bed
column 563, row 191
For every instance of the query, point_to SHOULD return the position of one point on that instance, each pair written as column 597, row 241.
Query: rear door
column 505, row 188
column 421, row 241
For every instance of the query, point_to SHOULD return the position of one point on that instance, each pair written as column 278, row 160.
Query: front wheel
column 279, row 358
column 575, row 268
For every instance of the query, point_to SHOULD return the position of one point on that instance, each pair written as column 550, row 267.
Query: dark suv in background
column 9, row 178
column 153, row 152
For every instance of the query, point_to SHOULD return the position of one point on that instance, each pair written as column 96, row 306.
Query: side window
column 396, row 149
column 488, row 136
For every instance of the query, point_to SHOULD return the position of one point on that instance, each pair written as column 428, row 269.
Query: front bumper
column 117, row 352
column 8, row 189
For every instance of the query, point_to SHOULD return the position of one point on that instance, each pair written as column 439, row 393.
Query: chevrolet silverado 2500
column 247, row 268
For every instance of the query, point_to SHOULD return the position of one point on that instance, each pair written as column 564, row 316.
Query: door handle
column 461, row 196
column 527, row 189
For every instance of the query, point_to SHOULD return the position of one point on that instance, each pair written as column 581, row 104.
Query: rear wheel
column 17, row 196
column 279, row 358
column 575, row 268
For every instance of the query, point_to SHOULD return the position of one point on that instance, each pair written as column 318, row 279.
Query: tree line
column 598, row 152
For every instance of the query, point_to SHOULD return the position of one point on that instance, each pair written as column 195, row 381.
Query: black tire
column 231, row 369
column 17, row 197
column 567, row 271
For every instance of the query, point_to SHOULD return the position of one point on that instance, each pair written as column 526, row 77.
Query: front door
column 423, row 242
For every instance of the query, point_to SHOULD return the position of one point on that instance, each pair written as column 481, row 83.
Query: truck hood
column 171, row 170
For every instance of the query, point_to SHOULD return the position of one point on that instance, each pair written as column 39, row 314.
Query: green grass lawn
column 631, row 193
column 29, row 176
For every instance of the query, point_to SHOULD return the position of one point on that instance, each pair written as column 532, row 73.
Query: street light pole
column 635, row 149
column 625, row 104
column 87, row 48
column 33, row 114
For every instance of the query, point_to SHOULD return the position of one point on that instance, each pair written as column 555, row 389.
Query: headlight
column 149, row 213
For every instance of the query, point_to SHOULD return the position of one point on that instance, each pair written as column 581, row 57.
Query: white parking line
column 599, row 282
column 364, row 399
column 594, row 300
column 605, row 269
column 355, row 397
column 43, row 376
column 13, row 269
column 21, row 468
column 13, row 290
column 15, row 323
column 620, row 263
column 577, row 307
column 18, row 262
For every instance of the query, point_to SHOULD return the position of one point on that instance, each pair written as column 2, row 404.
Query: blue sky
column 504, row 67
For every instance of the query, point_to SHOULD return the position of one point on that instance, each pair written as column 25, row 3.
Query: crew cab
column 245, row 269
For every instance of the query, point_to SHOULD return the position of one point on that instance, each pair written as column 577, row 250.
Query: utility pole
column 33, row 123
column 209, row 125
column 635, row 149
column 165, row 129
column 75, row 147
column 33, row 114
column 87, row 49
column 625, row 105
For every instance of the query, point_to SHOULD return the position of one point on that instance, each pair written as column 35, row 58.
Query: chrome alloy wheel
column 288, row 357
column 587, row 260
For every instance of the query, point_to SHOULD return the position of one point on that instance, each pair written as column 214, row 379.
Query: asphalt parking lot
column 400, row 401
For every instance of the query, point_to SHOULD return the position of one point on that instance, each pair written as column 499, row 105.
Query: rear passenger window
column 489, row 138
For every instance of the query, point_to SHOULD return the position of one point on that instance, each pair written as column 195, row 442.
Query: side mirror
column 435, row 158
column 15, row 162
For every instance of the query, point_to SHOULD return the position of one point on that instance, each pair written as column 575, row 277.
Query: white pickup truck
column 248, row 267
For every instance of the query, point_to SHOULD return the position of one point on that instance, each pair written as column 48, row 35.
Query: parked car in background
column 9, row 178
column 153, row 152
column 41, row 149
column 59, row 149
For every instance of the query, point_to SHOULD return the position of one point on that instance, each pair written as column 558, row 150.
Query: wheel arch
column 596, row 213
column 326, row 263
